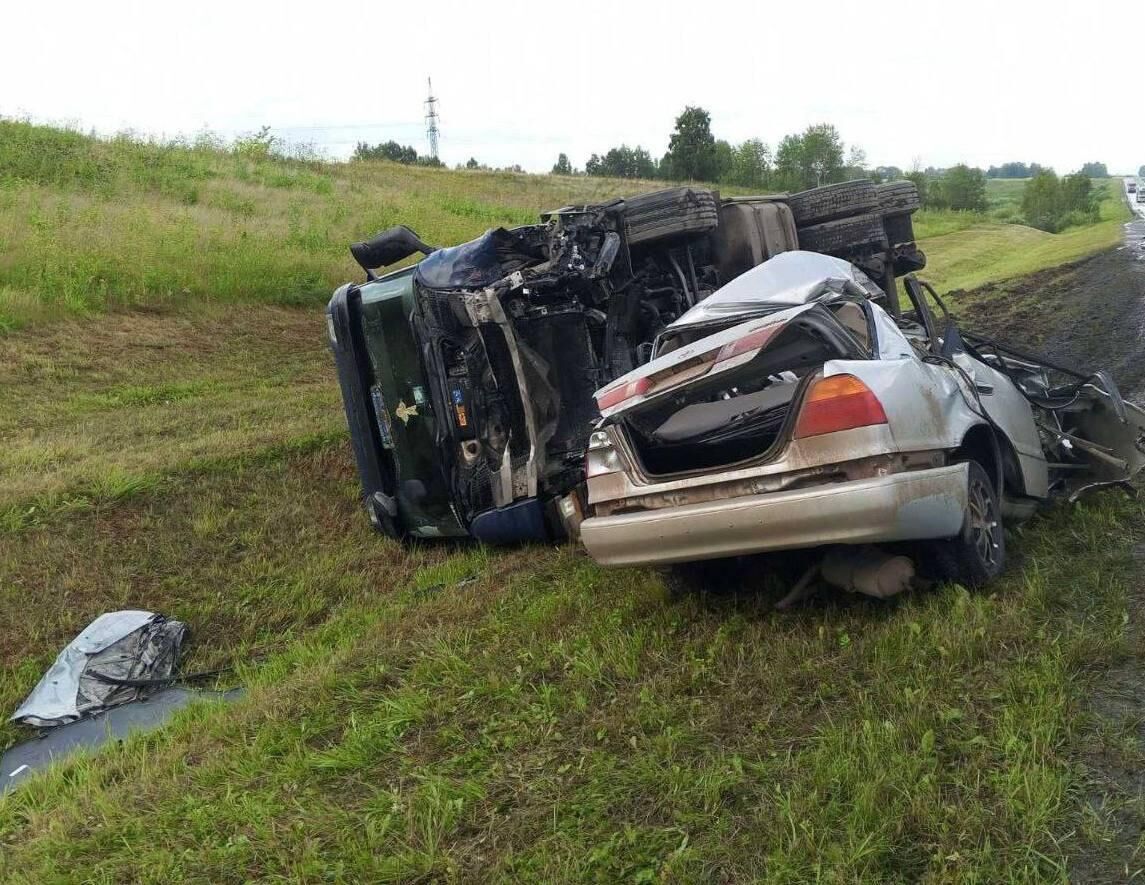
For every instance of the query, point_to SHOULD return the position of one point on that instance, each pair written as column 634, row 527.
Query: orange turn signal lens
column 840, row 402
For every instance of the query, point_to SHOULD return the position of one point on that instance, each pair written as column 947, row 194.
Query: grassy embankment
column 966, row 250
column 441, row 712
column 90, row 224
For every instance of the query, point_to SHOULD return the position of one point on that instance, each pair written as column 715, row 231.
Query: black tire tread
column 897, row 197
column 678, row 210
column 833, row 201
column 844, row 234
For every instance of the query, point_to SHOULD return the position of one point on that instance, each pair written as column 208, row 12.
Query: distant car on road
column 1132, row 187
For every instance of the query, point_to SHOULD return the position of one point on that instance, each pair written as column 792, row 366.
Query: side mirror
column 389, row 247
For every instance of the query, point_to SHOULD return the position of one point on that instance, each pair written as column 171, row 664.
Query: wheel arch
column 981, row 443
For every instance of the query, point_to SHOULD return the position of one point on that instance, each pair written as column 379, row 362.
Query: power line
column 431, row 120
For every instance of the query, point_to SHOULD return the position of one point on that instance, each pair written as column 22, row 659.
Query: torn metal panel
column 20, row 762
column 113, row 661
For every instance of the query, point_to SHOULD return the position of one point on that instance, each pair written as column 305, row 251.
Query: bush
column 1052, row 204
column 961, row 188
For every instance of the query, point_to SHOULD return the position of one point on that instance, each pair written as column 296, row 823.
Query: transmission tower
column 431, row 118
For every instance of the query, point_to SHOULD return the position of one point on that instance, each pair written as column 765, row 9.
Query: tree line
column 806, row 159
column 813, row 157
column 397, row 153
column 1030, row 170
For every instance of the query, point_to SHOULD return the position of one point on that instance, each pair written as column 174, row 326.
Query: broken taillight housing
column 602, row 457
column 619, row 394
column 838, row 402
column 750, row 342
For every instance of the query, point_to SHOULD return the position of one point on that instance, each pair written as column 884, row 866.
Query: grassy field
column 965, row 250
column 438, row 713
column 88, row 224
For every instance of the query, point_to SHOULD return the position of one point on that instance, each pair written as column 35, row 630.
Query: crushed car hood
column 787, row 280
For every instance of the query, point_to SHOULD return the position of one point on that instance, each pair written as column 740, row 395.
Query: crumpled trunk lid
column 725, row 398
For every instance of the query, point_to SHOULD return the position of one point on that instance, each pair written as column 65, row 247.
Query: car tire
column 845, row 235
column 833, row 201
column 977, row 554
column 898, row 197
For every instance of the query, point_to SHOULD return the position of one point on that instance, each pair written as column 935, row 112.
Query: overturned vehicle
column 680, row 339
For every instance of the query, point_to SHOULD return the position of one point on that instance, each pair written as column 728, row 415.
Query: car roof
column 787, row 280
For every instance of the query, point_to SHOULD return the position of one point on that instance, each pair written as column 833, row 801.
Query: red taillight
column 751, row 341
column 839, row 402
column 617, row 395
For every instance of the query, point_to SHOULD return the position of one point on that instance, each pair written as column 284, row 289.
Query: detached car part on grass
column 791, row 409
column 468, row 379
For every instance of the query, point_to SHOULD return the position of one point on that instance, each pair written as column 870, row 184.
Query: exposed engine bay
column 565, row 306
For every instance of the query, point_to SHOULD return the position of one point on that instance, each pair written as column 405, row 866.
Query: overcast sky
column 1059, row 83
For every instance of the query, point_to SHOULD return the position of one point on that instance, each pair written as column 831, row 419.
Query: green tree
column 962, row 188
column 823, row 153
column 1079, row 202
column 789, row 163
column 622, row 162
column 750, row 165
column 692, row 147
column 1014, row 170
column 389, row 150
column 472, row 163
column 725, row 157
column 256, row 145
column 922, row 183
column 1041, row 201
column 812, row 158
column 856, row 164
column 562, row 166
column 1095, row 170
column 1141, row 172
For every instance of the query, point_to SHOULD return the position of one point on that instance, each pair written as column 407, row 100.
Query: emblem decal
column 404, row 412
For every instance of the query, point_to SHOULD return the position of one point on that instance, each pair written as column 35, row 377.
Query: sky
column 927, row 83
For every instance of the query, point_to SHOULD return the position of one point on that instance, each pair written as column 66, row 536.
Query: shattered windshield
column 787, row 280
column 479, row 262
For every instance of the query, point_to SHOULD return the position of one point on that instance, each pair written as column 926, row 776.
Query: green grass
column 965, row 250
column 454, row 712
column 90, row 224
column 442, row 712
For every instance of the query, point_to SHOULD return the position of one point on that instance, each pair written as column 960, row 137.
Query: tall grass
column 88, row 224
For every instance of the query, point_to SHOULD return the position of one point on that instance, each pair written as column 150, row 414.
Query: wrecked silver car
column 793, row 409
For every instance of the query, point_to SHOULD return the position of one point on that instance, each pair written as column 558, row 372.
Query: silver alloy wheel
column 985, row 527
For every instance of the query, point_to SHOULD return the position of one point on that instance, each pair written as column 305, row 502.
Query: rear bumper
column 900, row 507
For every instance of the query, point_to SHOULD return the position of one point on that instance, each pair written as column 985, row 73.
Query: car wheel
column 897, row 197
column 833, row 201
column 845, row 234
column 977, row 554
